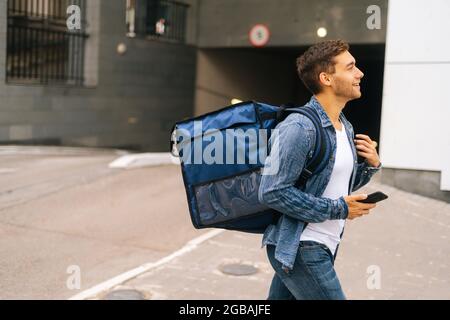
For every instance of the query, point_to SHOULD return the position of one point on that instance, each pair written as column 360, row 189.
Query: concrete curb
column 57, row 151
column 140, row 160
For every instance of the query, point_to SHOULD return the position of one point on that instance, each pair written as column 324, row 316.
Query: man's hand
column 357, row 209
column 367, row 149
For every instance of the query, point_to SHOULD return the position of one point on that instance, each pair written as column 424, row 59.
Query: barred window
column 40, row 47
column 162, row 19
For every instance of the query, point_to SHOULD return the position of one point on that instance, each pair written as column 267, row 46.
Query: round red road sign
column 259, row 35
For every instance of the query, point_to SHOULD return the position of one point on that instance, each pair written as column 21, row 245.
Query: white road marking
column 109, row 284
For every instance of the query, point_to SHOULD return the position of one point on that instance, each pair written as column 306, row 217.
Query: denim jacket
column 294, row 146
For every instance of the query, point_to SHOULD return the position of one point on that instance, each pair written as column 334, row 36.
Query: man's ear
column 325, row 79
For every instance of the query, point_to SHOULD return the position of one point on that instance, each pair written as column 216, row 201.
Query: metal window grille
column 167, row 19
column 163, row 19
column 40, row 47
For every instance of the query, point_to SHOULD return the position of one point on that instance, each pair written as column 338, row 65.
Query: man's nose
column 361, row 74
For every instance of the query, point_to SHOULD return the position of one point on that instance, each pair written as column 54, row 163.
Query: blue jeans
column 312, row 278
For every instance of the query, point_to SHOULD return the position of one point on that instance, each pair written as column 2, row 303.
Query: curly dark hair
column 319, row 58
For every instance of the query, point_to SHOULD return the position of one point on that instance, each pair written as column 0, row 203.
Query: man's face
column 347, row 77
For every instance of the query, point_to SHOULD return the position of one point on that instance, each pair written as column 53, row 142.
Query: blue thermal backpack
column 222, row 176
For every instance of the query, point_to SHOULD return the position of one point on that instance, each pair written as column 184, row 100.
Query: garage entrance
column 269, row 75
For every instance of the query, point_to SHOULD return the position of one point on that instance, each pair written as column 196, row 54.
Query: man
column 302, row 246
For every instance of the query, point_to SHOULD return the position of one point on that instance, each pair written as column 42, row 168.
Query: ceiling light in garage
column 322, row 32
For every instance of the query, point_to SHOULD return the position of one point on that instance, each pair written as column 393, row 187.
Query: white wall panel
column 415, row 127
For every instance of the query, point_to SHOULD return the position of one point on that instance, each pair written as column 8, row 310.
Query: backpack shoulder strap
column 322, row 146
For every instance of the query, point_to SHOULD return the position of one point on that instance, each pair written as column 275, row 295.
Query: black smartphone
column 374, row 197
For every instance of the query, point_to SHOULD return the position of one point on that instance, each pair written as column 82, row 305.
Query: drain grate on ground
column 125, row 295
column 238, row 269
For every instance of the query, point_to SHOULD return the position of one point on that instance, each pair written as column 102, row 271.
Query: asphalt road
column 60, row 209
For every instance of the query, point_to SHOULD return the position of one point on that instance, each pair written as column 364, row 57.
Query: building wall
column 415, row 135
column 131, row 101
column 291, row 22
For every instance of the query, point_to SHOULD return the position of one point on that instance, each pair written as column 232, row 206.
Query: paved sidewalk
column 405, row 242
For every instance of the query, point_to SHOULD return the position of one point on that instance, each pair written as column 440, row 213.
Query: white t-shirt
column 329, row 232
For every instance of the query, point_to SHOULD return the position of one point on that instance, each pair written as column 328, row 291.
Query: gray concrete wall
column 291, row 22
column 131, row 101
column 426, row 183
